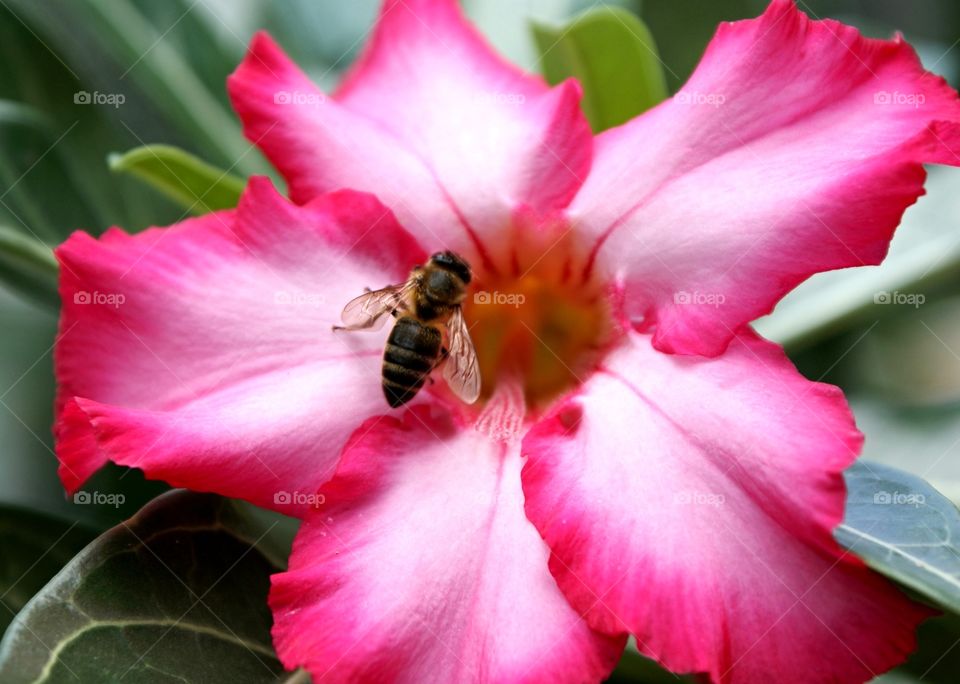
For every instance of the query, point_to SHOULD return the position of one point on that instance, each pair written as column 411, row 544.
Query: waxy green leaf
column 35, row 548
column 177, row 593
column 611, row 52
column 189, row 181
column 905, row 529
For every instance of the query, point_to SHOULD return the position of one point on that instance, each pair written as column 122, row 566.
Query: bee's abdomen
column 411, row 353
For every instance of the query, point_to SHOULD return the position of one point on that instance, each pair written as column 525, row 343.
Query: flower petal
column 691, row 501
column 318, row 146
column 432, row 80
column 419, row 566
column 203, row 353
column 446, row 133
column 794, row 148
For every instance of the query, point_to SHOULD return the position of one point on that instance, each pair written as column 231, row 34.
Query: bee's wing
column 368, row 311
column 461, row 370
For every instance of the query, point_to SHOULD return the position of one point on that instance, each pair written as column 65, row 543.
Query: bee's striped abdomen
column 412, row 351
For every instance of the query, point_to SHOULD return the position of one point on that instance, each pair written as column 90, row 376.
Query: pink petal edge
column 794, row 148
column 691, row 502
column 443, row 130
column 420, row 566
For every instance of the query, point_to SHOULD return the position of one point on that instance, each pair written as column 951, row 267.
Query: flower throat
column 533, row 314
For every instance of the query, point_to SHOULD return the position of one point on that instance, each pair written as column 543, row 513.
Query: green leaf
column 634, row 667
column 37, row 193
column 937, row 658
column 142, row 59
column 905, row 529
column 69, row 187
column 193, row 183
column 178, row 593
column 28, row 265
column 35, row 548
column 613, row 55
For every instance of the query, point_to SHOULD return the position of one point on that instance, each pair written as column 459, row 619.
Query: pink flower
column 640, row 462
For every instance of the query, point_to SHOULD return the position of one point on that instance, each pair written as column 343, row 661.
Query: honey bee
column 426, row 305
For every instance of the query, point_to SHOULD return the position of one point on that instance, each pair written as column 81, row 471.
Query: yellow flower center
column 535, row 312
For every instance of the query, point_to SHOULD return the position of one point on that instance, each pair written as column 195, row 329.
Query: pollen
column 535, row 312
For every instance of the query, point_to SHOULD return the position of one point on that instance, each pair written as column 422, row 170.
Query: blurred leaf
column 614, row 57
column 322, row 37
column 685, row 28
column 178, row 592
column 191, row 182
column 904, row 528
column 138, row 57
column 937, row 658
column 28, row 266
column 204, row 34
column 634, row 667
column 73, row 185
column 37, row 192
column 35, row 548
column 160, row 70
column 912, row 359
column 924, row 441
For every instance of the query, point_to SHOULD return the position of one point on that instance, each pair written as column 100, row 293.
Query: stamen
column 533, row 318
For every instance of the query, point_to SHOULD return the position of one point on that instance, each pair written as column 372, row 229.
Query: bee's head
column 454, row 263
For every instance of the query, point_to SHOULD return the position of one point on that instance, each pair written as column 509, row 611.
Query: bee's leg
column 352, row 328
column 397, row 305
column 444, row 353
